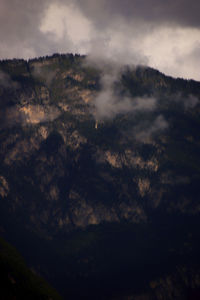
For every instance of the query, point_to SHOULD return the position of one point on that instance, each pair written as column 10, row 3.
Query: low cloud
column 145, row 132
column 185, row 102
column 109, row 103
column 7, row 82
column 190, row 102
column 45, row 74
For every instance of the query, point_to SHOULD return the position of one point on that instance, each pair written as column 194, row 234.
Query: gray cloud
column 45, row 74
column 108, row 103
column 185, row 102
column 20, row 32
column 145, row 131
column 180, row 12
column 191, row 101
column 130, row 31
column 7, row 82
column 153, row 32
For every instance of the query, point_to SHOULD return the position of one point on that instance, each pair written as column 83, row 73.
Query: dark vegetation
column 110, row 260
column 17, row 281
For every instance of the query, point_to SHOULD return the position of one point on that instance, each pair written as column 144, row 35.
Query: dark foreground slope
column 110, row 212
column 17, row 281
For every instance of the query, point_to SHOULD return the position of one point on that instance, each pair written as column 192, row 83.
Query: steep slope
column 17, row 281
column 91, row 191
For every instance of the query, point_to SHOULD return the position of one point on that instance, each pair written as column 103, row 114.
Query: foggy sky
column 162, row 34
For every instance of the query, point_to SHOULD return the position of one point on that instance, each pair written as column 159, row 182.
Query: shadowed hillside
column 99, row 176
column 17, row 281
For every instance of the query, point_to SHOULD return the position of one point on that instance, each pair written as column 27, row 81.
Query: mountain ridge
column 83, row 173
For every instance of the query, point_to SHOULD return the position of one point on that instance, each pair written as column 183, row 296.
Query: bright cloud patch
column 67, row 22
column 164, row 35
column 171, row 50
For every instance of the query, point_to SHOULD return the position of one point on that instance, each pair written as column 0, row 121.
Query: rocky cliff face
column 69, row 162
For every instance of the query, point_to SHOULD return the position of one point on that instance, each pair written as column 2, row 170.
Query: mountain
column 99, row 176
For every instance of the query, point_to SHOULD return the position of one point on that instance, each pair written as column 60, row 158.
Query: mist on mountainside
column 99, row 180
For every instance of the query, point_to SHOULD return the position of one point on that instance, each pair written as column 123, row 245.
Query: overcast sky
column 161, row 34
